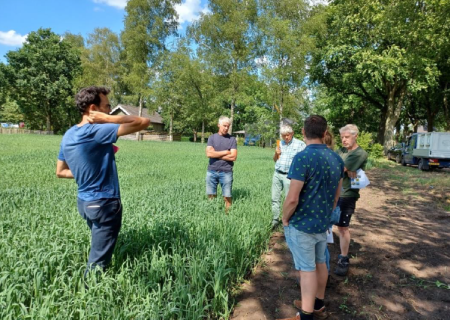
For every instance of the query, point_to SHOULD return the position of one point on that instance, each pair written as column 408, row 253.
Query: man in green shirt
column 354, row 158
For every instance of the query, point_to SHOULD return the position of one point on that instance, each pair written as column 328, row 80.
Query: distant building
column 156, row 120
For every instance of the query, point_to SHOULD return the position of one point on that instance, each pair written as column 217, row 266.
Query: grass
column 413, row 182
column 178, row 255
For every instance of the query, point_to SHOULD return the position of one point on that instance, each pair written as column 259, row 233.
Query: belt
column 280, row 172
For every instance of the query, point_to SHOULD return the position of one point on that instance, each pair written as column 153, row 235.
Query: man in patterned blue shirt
column 283, row 158
column 316, row 179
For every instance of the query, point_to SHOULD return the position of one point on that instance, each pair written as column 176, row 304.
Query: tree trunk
column 233, row 104
column 281, row 116
column 394, row 107
column 138, row 134
column 203, row 131
column 446, row 109
column 195, row 135
column 382, row 126
column 171, row 127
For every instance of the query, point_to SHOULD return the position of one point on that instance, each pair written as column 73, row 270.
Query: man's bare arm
column 211, row 153
column 277, row 154
column 63, row 170
column 128, row 124
column 291, row 201
column 230, row 157
column 338, row 194
column 350, row 174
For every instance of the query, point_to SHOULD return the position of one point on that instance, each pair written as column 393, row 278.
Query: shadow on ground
column 400, row 261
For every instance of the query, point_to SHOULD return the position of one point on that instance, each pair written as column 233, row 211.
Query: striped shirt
column 288, row 152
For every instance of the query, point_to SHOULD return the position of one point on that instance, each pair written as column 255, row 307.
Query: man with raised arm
column 316, row 178
column 87, row 155
column 354, row 158
column 222, row 152
column 289, row 147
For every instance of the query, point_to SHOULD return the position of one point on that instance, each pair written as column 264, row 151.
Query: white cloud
column 189, row 11
column 11, row 38
column 120, row 4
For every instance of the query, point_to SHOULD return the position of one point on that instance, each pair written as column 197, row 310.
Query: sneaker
column 342, row 266
column 275, row 224
column 318, row 314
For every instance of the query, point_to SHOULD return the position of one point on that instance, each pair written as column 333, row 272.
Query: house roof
column 134, row 111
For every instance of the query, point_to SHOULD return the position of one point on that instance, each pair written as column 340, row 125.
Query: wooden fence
column 23, row 131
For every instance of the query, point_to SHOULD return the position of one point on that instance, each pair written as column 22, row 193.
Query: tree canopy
column 41, row 74
column 383, row 65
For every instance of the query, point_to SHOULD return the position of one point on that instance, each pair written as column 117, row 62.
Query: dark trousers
column 104, row 218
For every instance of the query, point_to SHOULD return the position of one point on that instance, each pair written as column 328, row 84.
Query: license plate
column 433, row 163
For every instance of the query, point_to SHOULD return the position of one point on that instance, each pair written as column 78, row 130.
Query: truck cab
column 427, row 150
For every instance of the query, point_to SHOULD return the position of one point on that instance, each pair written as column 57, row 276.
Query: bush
column 377, row 151
column 365, row 141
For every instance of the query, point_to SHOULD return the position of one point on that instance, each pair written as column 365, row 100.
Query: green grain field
column 178, row 255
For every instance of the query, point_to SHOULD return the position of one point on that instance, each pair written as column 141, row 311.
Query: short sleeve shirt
column 353, row 160
column 221, row 143
column 321, row 170
column 288, row 151
column 89, row 153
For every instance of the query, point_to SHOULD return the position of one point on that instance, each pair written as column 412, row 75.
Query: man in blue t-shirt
column 87, row 155
column 316, row 178
column 222, row 152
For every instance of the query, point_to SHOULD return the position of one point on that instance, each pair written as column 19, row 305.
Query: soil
column 400, row 261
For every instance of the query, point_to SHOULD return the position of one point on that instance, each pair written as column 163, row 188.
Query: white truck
column 427, row 150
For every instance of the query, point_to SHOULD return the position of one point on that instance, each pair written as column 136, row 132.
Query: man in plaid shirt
column 284, row 154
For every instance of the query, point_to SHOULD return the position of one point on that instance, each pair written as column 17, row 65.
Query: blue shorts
column 307, row 248
column 213, row 178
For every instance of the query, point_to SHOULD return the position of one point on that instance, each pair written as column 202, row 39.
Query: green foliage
column 100, row 61
column 377, row 151
column 147, row 24
column 42, row 74
column 178, row 255
column 10, row 112
column 374, row 53
column 365, row 141
column 227, row 41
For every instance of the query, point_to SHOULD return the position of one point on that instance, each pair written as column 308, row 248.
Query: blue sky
column 20, row 17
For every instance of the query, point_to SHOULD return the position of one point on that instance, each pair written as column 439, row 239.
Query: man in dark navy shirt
column 222, row 152
column 316, row 179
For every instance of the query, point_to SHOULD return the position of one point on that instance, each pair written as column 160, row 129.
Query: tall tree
column 185, row 87
column 227, row 40
column 375, row 50
column 284, row 60
column 3, row 84
column 148, row 23
column 42, row 74
column 101, row 63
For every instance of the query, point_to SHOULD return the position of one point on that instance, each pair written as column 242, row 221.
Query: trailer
column 428, row 150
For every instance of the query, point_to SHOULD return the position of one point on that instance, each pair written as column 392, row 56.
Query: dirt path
column 400, row 265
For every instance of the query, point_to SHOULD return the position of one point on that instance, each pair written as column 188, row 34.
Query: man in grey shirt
column 222, row 152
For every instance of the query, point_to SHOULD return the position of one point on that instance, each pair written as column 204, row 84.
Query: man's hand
column 98, row 117
column 351, row 174
column 291, row 201
column 277, row 154
column 278, row 151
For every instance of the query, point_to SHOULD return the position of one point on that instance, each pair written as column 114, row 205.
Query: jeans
column 213, row 178
column 280, row 182
column 104, row 219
